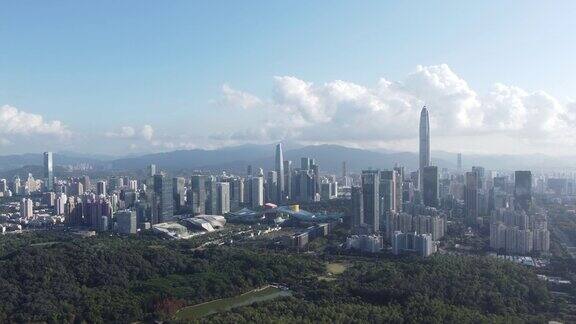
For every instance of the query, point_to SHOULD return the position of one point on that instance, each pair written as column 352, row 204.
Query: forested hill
column 58, row 278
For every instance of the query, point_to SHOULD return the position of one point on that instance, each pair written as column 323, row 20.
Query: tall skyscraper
column 471, row 198
column 197, row 196
column 26, row 208
column 371, row 198
column 211, row 196
column 152, row 170
column 288, row 179
column 357, row 208
column 424, row 142
column 101, row 188
column 430, row 186
column 257, row 196
column 272, row 187
column 399, row 180
column 48, row 171
column 164, row 202
column 178, row 192
column 279, row 165
column 522, row 190
column 387, row 191
column 223, row 197
column 306, row 163
column 459, row 162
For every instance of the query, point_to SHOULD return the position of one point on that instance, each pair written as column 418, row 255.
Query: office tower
column 211, row 205
column 522, row 190
column 272, row 186
column 500, row 183
column 399, row 183
column 178, row 192
column 152, row 170
column 48, row 171
column 305, row 185
column 3, row 185
column 357, row 207
column 249, row 170
column 16, row 185
column 424, row 143
column 126, row 221
column 305, row 163
column 430, row 186
column 328, row 190
column 371, row 198
column 459, row 162
column 481, row 173
column 77, row 188
column 471, row 198
column 86, row 182
column 387, row 191
column 257, row 192
column 344, row 171
column 60, row 203
column 279, row 166
column 26, row 208
column 236, row 192
column 288, row 179
column 223, row 198
column 164, row 203
column 315, row 194
column 49, row 199
column 133, row 185
column 197, row 196
column 101, row 188
column 114, row 183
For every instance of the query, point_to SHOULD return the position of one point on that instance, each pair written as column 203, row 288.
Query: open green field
column 336, row 268
column 221, row 305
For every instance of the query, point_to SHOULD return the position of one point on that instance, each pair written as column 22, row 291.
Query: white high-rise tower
column 424, row 142
column 279, row 166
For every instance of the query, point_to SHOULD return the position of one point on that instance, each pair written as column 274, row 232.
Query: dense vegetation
column 121, row 279
column 60, row 278
column 443, row 289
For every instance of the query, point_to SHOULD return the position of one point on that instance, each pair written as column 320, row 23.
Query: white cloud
column 147, row 132
column 387, row 113
column 129, row 132
column 124, row 132
column 238, row 99
column 18, row 122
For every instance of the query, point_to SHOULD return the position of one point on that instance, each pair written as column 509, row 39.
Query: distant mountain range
column 330, row 158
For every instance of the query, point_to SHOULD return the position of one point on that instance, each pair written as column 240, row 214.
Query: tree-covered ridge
column 442, row 289
column 121, row 280
column 60, row 278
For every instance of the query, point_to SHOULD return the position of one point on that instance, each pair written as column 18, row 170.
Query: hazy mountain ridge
column 330, row 158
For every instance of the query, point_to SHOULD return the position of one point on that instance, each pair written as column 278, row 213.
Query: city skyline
column 118, row 89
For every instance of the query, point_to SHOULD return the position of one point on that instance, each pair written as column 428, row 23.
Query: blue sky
column 98, row 66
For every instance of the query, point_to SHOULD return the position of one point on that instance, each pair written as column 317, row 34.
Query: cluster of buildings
column 157, row 199
column 398, row 206
column 516, row 232
column 409, row 210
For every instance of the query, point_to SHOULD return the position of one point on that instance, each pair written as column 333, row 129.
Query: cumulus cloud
column 238, row 99
column 342, row 111
column 17, row 122
column 147, row 132
column 129, row 132
column 123, row 132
